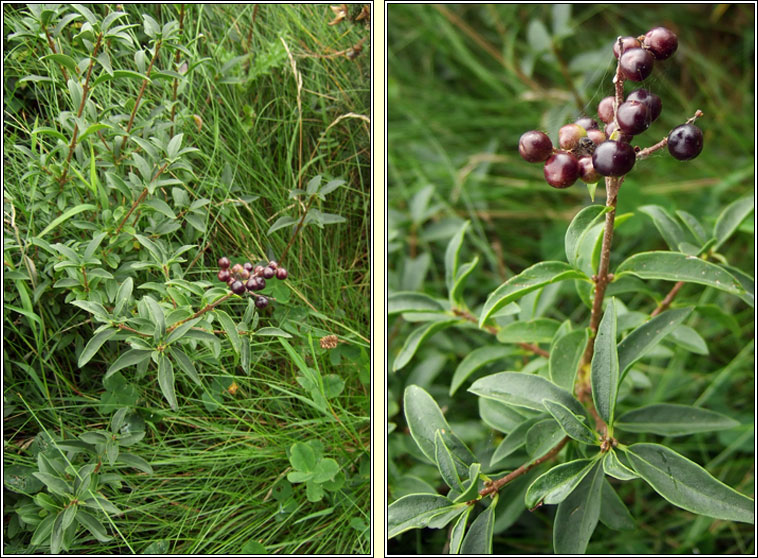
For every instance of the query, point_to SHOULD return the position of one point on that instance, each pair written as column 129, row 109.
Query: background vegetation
column 267, row 98
column 464, row 82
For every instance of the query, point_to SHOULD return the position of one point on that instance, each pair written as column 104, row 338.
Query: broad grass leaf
column 578, row 514
column 675, row 266
column 635, row 345
column 669, row 419
column 530, row 279
column 605, row 365
column 555, row 485
column 687, row 485
column 478, row 539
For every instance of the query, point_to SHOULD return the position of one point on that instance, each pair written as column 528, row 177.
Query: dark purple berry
column 268, row 272
column 661, row 42
column 597, row 136
column 272, row 264
column 620, row 136
column 535, row 146
column 223, row 275
column 569, row 136
column 685, row 142
column 238, row 287
column 636, row 64
column 561, row 170
column 587, row 123
column 258, row 270
column 626, row 44
column 248, row 266
column 605, row 109
column 224, row 262
column 652, row 101
column 613, row 158
column 587, row 172
column 633, row 117
column 236, row 268
column 251, row 284
column 281, row 273
column 261, row 302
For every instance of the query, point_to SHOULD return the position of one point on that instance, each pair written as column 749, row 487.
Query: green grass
column 216, row 469
column 460, row 94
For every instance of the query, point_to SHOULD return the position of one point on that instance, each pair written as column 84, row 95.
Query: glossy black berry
column 261, row 302
column 224, row 262
column 535, row 146
column 685, row 142
column 613, row 158
column 626, row 44
column 633, row 117
column 223, row 275
column 561, row 170
column 238, row 287
column 652, row 101
column 661, row 42
column 268, row 272
column 281, row 273
column 636, row 64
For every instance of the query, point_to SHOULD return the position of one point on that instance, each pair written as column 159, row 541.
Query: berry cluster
column 587, row 152
column 241, row 277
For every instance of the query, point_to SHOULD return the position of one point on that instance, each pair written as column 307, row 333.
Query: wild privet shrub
column 567, row 413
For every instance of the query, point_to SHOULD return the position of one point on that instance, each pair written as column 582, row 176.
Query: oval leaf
column 94, row 344
column 605, row 365
column 571, row 424
column 668, row 419
column 415, row 511
column 578, row 514
column 416, row 337
column 565, row 354
column 478, row 539
column 554, row 486
column 475, row 360
column 580, row 225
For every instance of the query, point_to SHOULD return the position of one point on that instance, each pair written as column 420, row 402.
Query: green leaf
column 571, row 424
column 329, row 187
column 94, row 308
column 446, row 464
column 415, row 338
column 694, row 226
column 424, row 419
column 54, row 484
column 635, row 345
column 185, row 363
column 456, row 292
column 230, row 328
column 63, row 59
column 475, row 360
column 565, row 354
column 129, row 358
column 530, row 279
column 302, row 457
column 730, row 218
column 402, row 302
column 451, row 255
column 538, row 37
column 555, row 485
column 524, row 390
column 470, row 490
column 478, row 539
column 123, row 294
column 580, row 225
column 416, row 511
column 273, row 332
column 94, row 344
column 687, row 485
column 166, row 380
column 161, row 207
column 93, row 525
column 669, row 419
column 181, row 331
column 686, row 337
column 458, row 530
column 325, row 470
column 605, row 365
column 615, row 468
column 66, row 215
column 282, row 222
column 540, row 330
column 156, row 316
column 98, row 503
column 513, row 441
column 577, row 515
column 671, row 231
column 613, row 512
column 674, row 266
column 542, row 437
column 56, row 536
